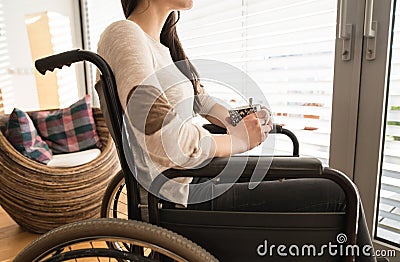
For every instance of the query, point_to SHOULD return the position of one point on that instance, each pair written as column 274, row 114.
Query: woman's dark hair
column 169, row 38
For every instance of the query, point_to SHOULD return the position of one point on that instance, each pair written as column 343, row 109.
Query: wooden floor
column 12, row 237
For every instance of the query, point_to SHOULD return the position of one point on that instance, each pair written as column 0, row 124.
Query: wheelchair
column 228, row 235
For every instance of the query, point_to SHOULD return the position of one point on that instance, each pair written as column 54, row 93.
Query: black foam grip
column 58, row 61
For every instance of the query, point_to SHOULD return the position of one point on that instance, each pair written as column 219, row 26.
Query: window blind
column 286, row 46
column 98, row 15
column 389, row 202
column 7, row 96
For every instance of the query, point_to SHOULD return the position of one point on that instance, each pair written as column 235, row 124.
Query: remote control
column 237, row 114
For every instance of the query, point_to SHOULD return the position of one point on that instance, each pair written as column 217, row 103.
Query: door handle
column 345, row 31
column 370, row 30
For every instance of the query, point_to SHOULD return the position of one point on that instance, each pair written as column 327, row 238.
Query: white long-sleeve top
column 158, row 100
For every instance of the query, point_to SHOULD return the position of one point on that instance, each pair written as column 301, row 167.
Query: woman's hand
column 251, row 131
column 264, row 115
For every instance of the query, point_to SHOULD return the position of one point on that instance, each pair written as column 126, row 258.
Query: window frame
column 373, row 102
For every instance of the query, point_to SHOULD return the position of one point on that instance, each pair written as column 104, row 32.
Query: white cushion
column 74, row 159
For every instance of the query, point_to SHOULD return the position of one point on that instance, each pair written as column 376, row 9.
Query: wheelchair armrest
column 214, row 129
column 275, row 167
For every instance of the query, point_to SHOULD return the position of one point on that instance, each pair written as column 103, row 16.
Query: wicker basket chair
column 40, row 198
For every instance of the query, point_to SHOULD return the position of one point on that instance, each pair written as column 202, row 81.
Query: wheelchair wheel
column 88, row 239
column 115, row 203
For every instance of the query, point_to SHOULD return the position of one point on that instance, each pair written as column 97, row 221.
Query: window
column 389, row 201
column 98, row 15
column 287, row 47
column 6, row 92
column 28, row 31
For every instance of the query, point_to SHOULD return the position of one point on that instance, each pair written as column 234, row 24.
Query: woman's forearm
column 215, row 121
column 223, row 145
column 218, row 115
column 227, row 145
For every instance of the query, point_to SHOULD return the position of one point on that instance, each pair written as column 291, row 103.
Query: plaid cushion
column 23, row 135
column 68, row 130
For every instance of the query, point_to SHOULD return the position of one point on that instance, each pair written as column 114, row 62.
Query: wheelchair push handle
column 58, row 61
column 68, row 58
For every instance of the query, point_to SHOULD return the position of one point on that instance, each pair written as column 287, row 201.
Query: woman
column 158, row 99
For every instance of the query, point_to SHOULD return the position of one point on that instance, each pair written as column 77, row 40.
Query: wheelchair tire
column 69, row 241
column 114, row 203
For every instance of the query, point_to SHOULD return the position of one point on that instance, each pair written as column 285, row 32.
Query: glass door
column 288, row 48
column 388, row 220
